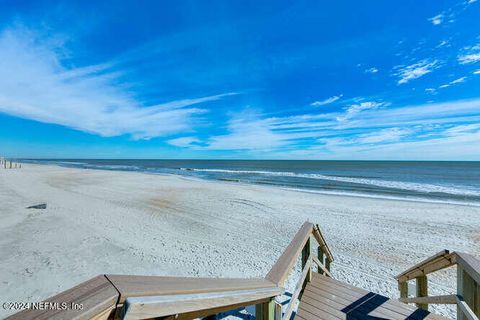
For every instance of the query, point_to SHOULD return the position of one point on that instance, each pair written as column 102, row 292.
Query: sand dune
column 132, row 223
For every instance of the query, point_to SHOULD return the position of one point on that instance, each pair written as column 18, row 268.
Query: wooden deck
column 129, row 297
column 326, row 298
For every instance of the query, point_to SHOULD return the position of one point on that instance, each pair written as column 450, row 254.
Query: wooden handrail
column 468, row 283
column 441, row 260
column 322, row 243
column 282, row 268
column 166, row 305
column 91, row 298
column 184, row 298
column 140, row 286
column 298, row 289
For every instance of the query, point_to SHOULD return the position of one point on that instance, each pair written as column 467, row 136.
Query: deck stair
column 316, row 296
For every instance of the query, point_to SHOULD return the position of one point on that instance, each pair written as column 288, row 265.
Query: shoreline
column 126, row 222
column 287, row 188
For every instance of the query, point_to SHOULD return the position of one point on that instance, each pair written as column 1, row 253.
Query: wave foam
column 409, row 186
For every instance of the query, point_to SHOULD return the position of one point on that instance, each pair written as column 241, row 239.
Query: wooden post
column 305, row 255
column 422, row 291
column 265, row 311
column 469, row 290
column 10, row 164
column 320, row 257
column 278, row 311
column 403, row 287
column 327, row 264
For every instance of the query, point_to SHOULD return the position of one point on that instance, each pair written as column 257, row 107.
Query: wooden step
column 326, row 298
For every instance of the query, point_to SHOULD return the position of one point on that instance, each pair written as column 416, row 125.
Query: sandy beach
column 101, row 222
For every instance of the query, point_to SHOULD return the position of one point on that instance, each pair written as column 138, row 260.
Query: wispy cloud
column 354, row 109
column 469, row 58
column 470, row 54
column 326, row 101
column 184, row 142
column 384, row 135
column 416, row 70
column 453, row 82
column 34, row 84
column 371, row 70
column 436, row 20
column 376, row 128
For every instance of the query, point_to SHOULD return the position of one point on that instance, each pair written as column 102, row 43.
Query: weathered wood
column 444, row 299
column 280, row 270
column 165, row 305
column 327, row 265
column 265, row 311
column 278, row 311
column 317, row 233
column 210, row 312
column 135, row 286
column 300, row 285
column 403, row 287
column 97, row 297
column 422, row 290
column 326, row 298
column 470, row 264
column 460, row 315
column 439, row 261
column 467, row 288
column 320, row 256
column 306, row 253
column 325, row 271
column 464, row 310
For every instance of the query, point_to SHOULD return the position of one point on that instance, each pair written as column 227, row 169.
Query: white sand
column 100, row 222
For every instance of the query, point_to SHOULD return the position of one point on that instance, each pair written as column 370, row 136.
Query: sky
column 347, row 80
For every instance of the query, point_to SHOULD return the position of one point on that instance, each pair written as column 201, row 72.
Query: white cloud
column 184, row 142
column 453, row 82
column 476, row 71
column 431, row 90
column 416, row 70
column 352, row 110
column 442, row 44
column 35, row 85
column 471, row 1
column 438, row 19
column 326, row 101
column 470, row 54
column 448, row 130
column 248, row 131
column 469, row 58
column 371, row 70
column 384, row 135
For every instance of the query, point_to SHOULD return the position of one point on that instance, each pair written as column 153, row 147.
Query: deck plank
column 326, row 298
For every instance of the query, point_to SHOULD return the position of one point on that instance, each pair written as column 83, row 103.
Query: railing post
column 469, row 290
column 327, row 264
column 305, row 255
column 265, row 311
column 422, row 291
column 403, row 287
column 320, row 258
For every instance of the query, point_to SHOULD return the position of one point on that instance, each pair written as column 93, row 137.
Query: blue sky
column 394, row 80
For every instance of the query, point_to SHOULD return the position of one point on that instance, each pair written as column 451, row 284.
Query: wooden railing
column 142, row 297
column 301, row 243
column 467, row 298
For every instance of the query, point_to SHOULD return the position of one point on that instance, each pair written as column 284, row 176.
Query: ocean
column 451, row 182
